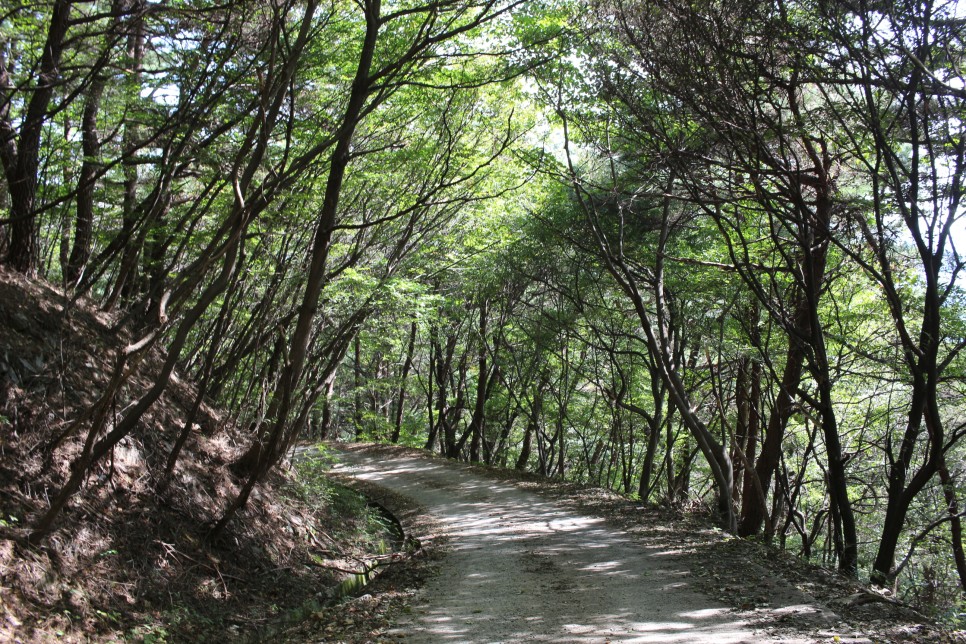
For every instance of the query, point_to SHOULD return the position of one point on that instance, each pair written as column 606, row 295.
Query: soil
column 130, row 560
column 519, row 558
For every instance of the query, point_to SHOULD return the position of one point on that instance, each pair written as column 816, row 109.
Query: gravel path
column 521, row 568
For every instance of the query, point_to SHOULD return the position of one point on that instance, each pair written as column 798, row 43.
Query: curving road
column 521, row 568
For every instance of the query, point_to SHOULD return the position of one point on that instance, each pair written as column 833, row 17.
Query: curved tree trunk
column 660, row 347
column 283, row 397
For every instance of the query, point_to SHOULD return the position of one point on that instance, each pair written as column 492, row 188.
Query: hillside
column 128, row 559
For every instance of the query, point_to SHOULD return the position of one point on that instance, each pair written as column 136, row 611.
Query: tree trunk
column 21, row 155
column 526, row 447
column 401, row 392
column 482, row 380
column 955, row 522
column 357, row 406
column 325, row 422
column 816, row 235
column 660, row 348
column 84, row 222
column 91, row 146
column 644, row 487
column 533, row 425
column 750, row 483
column 282, row 398
column 753, row 510
column 454, row 447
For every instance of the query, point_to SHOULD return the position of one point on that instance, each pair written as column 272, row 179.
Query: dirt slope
column 129, row 561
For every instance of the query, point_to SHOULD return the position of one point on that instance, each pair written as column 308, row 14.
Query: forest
column 704, row 253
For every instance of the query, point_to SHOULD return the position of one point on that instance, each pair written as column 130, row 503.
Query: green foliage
column 499, row 165
column 310, row 483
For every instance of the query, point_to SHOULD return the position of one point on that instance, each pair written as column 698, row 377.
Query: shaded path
column 520, row 568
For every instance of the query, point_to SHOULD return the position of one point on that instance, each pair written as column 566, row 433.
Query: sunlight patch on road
column 521, row 568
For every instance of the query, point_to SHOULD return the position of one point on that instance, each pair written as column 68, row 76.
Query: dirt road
column 521, row 568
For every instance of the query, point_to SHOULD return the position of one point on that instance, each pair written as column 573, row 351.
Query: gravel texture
column 520, row 566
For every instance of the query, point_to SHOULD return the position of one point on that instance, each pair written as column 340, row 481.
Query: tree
column 896, row 102
column 422, row 29
column 21, row 132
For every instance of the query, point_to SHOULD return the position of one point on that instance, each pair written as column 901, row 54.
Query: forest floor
column 510, row 557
